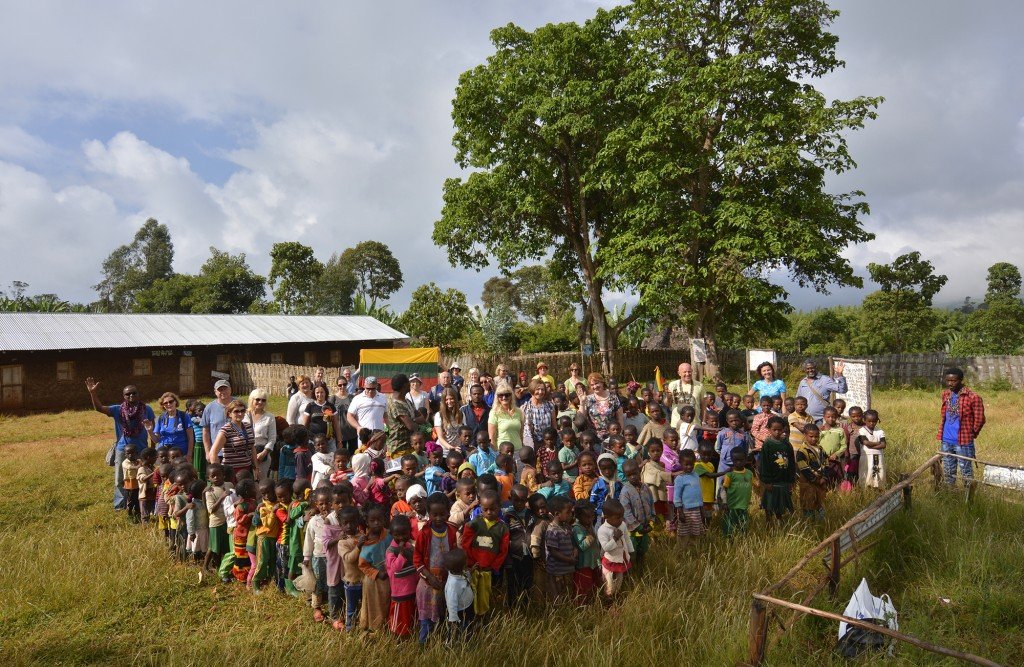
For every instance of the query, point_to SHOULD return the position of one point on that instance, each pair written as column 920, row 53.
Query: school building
column 45, row 357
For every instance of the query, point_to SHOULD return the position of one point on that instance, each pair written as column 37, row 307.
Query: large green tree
column 899, row 318
column 997, row 327
column 135, row 266
column 672, row 149
column 375, row 271
column 436, row 317
column 294, row 275
column 225, row 284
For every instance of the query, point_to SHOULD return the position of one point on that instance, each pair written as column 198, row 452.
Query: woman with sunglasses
column 237, row 440
column 173, row 428
column 264, row 427
column 133, row 420
column 505, row 423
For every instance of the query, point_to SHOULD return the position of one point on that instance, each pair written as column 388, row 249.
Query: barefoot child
column 485, row 540
column 560, row 554
column 738, row 484
column 588, row 553
column 871, row 442
column 376, row 591
column 777, row 471
column 402, row 577
column 437, row 539
column 314, row 549
column 810, row 468
column 688, row 500
column 638, row 511
column 616, row 547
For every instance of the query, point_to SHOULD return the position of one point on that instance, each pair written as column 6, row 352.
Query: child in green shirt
column 738, row 484
column 777, row 471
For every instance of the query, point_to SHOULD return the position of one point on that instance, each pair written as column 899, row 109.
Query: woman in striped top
column 236, row 440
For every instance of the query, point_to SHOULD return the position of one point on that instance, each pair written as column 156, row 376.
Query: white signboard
column 858, row 382
column 698, row 351
column 757, row 357
column 1007, row 478
column 873, row 522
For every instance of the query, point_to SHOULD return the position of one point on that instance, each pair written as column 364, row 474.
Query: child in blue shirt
column 483, row 458
column 688, row 500
column 555, row 485
column 607, row 484
column 434, row 473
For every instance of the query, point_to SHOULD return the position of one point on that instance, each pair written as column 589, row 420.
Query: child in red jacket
column 485, row 540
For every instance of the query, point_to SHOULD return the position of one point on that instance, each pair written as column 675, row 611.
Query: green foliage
column 909, row 273
column 498, row 329
column 337, row 286
column 896, row 322
column 225, row 285
column 136, row 266
column 719, row 168
column 436, row 317
column 168, row 295
column 672, row 149
column 294, row 277
column 560, row 334
column 16, row 301
column 383, row 314
column 536, row 292
column 374, row 270
column 997, row 328
column 1003, row 282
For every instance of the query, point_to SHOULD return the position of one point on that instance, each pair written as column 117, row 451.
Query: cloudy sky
column 243, row 124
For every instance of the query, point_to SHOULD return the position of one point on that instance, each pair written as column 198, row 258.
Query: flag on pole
column 658, row 382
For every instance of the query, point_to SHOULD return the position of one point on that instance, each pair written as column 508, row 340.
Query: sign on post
column 698, row 351
column 858, row 382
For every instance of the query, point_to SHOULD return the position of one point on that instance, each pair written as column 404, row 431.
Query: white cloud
column 331, row 125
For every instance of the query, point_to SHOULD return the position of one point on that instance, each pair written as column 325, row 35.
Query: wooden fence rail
column 851, row 531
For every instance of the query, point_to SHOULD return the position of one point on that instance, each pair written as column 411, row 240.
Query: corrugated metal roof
column 81, row 331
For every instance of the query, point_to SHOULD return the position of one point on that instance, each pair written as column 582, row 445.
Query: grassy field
column 82, row 585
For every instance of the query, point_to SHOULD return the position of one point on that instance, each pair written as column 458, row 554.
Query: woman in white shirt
column 264, row 427
column 299, row 400
column 419, row 399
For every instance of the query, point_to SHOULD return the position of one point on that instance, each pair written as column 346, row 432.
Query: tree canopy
column 374, row 271
column 294, row 276
column 675, row 150
column 135, row 266
column 436, row 317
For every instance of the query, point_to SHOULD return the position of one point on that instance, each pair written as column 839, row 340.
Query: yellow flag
column 658, row 382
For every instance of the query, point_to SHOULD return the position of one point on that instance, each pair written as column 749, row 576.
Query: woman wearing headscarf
column 133, row 422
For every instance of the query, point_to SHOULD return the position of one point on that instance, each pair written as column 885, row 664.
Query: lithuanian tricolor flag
column 384, row 363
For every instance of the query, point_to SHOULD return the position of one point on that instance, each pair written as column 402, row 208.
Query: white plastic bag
column 864, row 605
column 229, row 502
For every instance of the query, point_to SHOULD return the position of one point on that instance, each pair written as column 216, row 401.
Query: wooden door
column 187, row 376
column 11, row 386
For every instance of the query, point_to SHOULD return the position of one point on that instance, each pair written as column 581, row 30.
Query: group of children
column 439, row 538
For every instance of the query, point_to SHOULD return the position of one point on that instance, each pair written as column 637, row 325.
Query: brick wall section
column 41, row 390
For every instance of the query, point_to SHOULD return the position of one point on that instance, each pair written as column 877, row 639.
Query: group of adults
column 509, row 408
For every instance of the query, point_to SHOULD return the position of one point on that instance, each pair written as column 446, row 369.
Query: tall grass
column 82, row 585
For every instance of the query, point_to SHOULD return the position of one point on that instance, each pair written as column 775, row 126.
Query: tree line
column 674, row 151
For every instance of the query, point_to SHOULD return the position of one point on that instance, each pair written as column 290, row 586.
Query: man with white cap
column 215, row 414
column 367, row 409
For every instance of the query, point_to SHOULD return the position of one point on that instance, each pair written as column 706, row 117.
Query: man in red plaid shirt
column 963, row 416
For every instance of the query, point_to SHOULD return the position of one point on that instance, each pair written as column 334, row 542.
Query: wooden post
column 937, row 473
column 758, row 632
column 833, row 570
column 906, row 494
column 971, row 487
